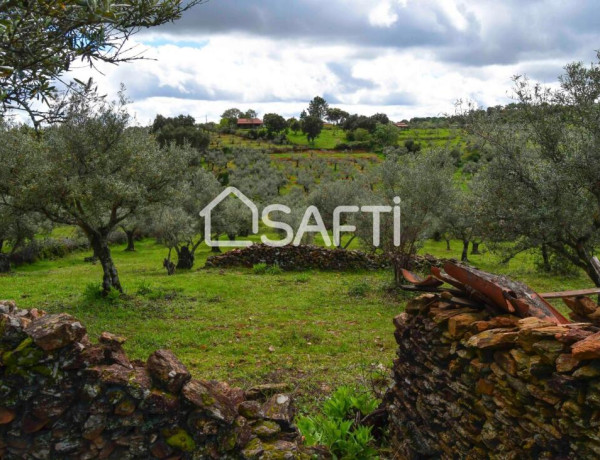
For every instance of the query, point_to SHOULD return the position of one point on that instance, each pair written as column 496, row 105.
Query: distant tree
column 274, row 123
column 386, row 135
column 412, row 146
column 356, row 121
column 231, row 116
column 336, row 115
column 91, row 171
column 180, row 130
column 16, row 229
column 318, row 107
column 312, row 127
column 250, row 113
column 40, row 40
column 422, row 182
column 178, row 224
column 294, row 125
column 380, row 118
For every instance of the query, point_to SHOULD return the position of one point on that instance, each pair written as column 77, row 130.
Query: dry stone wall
column 477, row 385
column 63, row 397
column 304, row 257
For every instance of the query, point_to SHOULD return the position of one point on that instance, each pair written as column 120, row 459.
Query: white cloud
column 383, row 15
column 383, row 60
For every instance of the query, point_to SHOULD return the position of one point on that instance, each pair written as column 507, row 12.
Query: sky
column 405, row 58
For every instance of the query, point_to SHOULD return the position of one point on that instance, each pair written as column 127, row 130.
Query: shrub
column 336, row 427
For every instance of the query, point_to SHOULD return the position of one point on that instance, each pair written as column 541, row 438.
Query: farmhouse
column 249, row 123
column 401, row 125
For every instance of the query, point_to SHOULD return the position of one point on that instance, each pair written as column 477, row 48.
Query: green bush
column 336, row 427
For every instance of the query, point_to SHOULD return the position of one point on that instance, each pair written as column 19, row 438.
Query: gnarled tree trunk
column 465, row 252
column 110, row 280
column 475, row 249
column 130, row 240
column 185, row 258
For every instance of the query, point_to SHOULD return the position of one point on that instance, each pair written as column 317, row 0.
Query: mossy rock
column 179, row 439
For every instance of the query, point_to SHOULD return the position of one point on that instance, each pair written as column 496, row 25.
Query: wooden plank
column 575, row 293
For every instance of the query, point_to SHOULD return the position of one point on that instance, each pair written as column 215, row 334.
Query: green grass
column 328, row 138
column 316, row 330
column 303, row 328
column 433, row 137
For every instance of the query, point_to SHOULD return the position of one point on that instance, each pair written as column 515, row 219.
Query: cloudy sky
column 405, row 58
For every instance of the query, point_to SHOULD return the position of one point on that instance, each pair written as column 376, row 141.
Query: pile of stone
column 583, row 309
column 472, row 382
column 63, row 397
column 304, row 257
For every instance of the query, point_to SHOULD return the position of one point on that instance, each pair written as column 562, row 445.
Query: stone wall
column 63, row 397
column 471, row 384
column 305, row 257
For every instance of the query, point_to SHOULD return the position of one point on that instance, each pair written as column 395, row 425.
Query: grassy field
column 433, row 137
column 328, row 138
column 315, row 330
column 306, row 328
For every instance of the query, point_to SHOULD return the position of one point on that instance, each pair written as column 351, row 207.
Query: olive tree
column 423, row 182
column 541, row 183
column 178, row 223
column 41, row 40
column 92, row 171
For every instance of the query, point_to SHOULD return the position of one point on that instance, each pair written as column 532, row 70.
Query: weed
column 359, row 289
column 337, row 428
column 264, row 269
column 302, row 278
column 260, row 269
column 92, row 292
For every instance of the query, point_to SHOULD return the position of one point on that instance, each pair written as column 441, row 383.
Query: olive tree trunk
column 465, row 252
column 130, row 240
column 185, row 258
column 110, row 278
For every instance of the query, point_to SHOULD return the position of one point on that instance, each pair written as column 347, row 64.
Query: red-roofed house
column 249, row 123
column 401, row 125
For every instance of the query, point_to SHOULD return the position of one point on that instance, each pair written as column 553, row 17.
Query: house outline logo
column 207, row 212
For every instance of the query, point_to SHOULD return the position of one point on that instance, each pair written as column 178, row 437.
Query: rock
column 266, row 429
column 266, row 390
column 250, row 409
column 213, row 404
column 459, row 324
column 566, row 362
column 164, row 366
column 493, row 339
column 6, row 415
column 94, row 426
column 159, row 402
column 51, row 332
column 279, row 408
column 588, row 348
